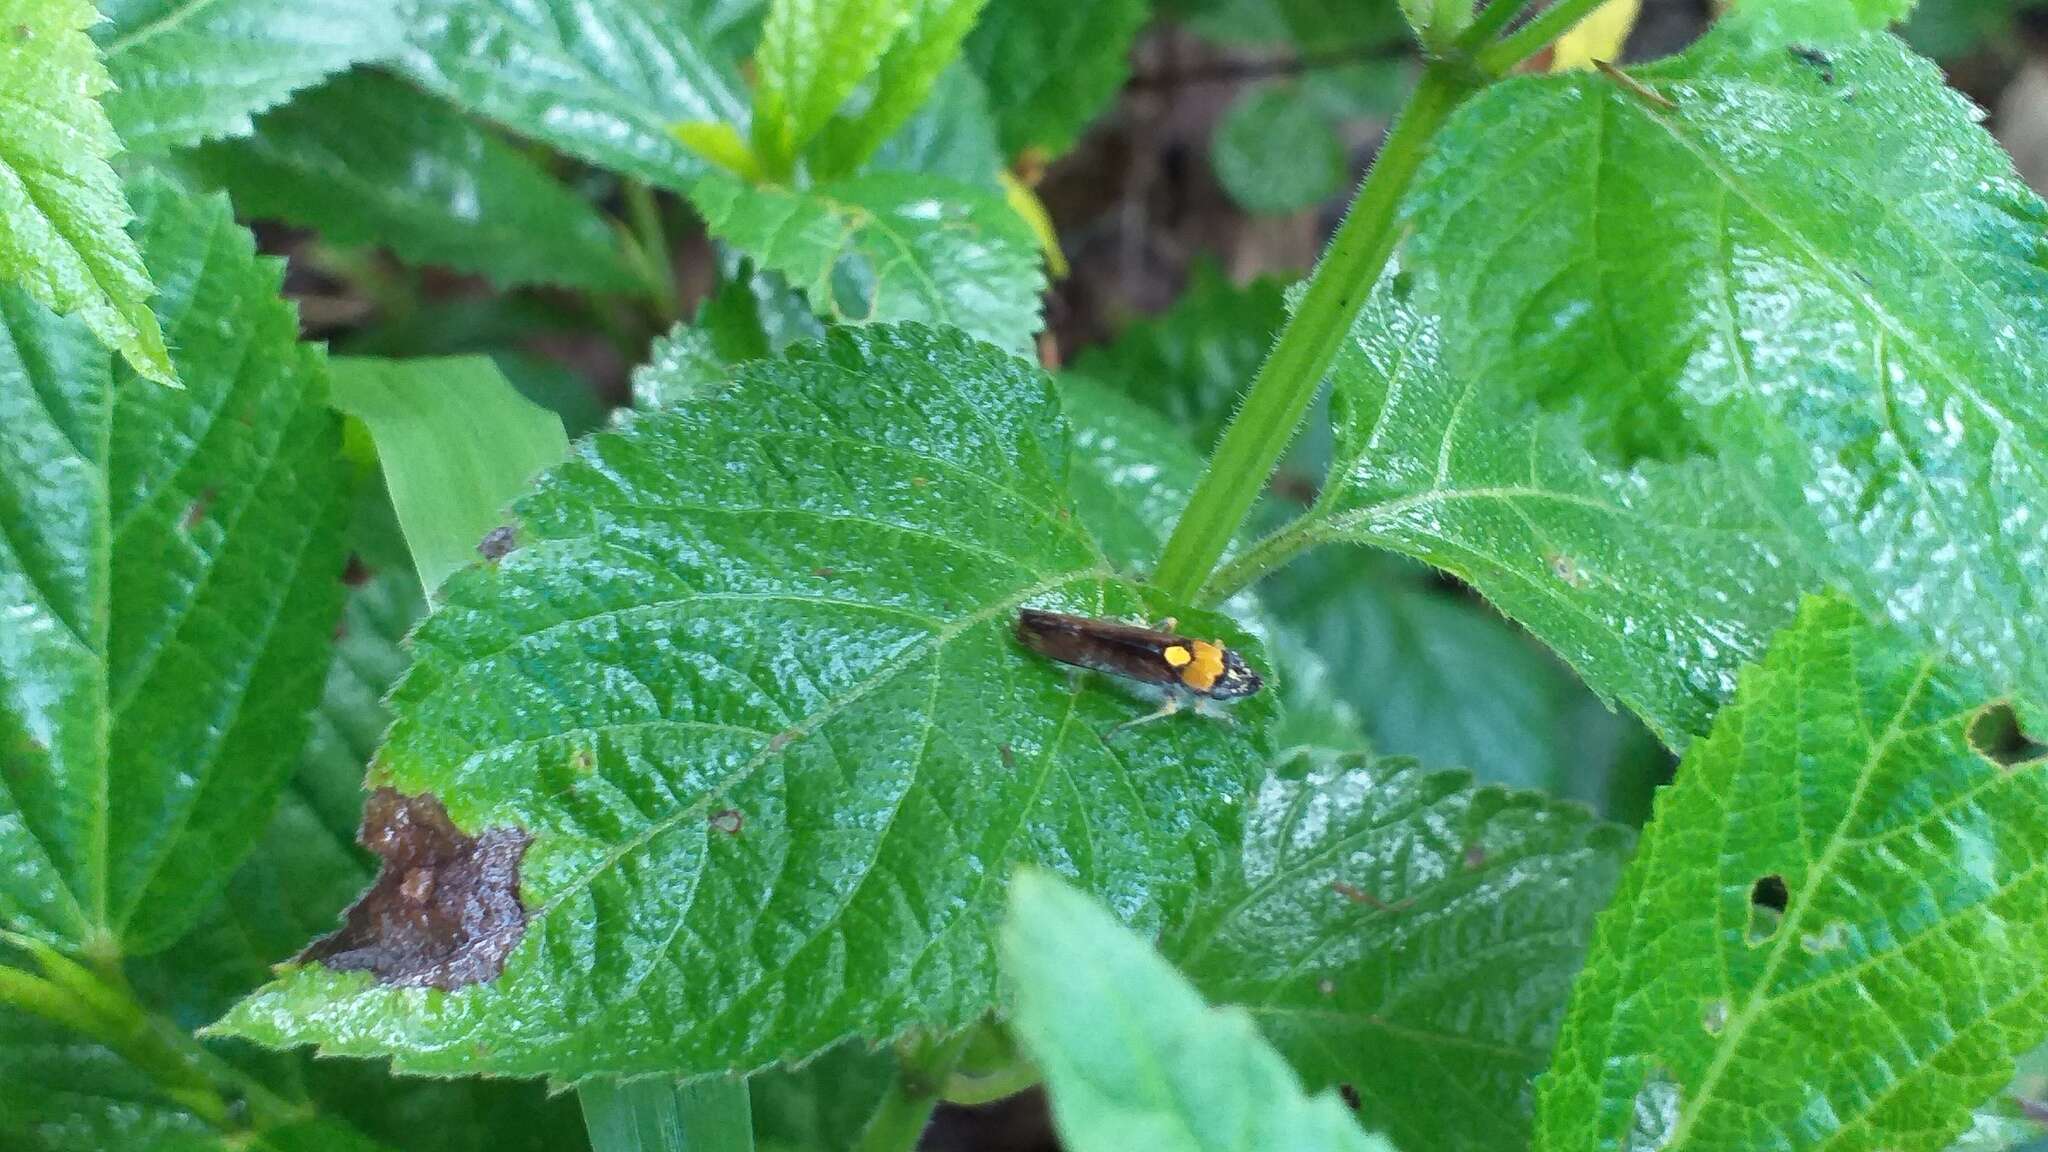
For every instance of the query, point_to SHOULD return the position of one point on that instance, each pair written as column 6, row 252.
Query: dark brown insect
column 1185, row 667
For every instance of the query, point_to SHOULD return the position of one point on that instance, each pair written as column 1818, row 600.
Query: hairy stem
column 1294, row 369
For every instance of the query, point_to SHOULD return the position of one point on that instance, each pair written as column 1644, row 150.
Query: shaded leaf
column 191, row 70
column 1911, row 941
column 951, row 135
column 172, row 581
column 664, row 685
column 1052, row 68
column 602, row 82
column 365, row 159
column 889, row 247
column 697, row 357
column 1408, row 934
column 1193, row 361
column 62, row 212
column 1132, row 1058
column 456, row 443
column 1276, row 152
column 1432, row 674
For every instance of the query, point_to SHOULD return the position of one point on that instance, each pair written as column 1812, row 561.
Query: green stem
column 660, row 1115
column 1245, row 569
column 900, row 1119
column 651, row 239
column 1500, row 57
column 1294, row 370
column 1491, row 20
column 181, row 1068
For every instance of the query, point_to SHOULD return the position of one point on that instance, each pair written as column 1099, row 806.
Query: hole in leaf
column 444, row 911
column 1769, row 892
column 1767, row 900
column 1996, row 734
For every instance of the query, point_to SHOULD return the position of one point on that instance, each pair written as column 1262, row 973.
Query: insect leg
column 1171, row 706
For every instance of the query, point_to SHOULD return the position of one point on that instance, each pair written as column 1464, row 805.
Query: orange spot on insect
column 1177, row 656
column 1202, row 671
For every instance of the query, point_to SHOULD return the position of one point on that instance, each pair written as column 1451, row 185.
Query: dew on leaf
column 444, row 910
column 1715, row 1017
column 1832, row 938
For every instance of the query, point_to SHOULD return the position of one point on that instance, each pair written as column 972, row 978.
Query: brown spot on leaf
column 195, row 512
column 498, row 543
column 1565, row 568
column 355, row 573
column 1475, row 858
column 823, row 573
column 1357, row 895
column 24, row 32
column 780, row 740
column 918, row 481
column 728, row 821
column 1008, row 754
column 444, row 911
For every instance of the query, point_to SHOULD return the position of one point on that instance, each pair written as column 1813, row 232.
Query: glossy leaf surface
column 603, row 82
column 1846, row 302
column 750, row 683
column 1408, row 934
column 1838, row 870
column 813, row 54
column 172, row 581
column 889, row 247
column 191, row 70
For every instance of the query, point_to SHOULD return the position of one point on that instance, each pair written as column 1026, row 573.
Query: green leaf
column 665, row 686
column 1193, row 361
column 364, row 159
column 813, row 54
column 824, row 1105
column 1432, row 674
column 662, row 1115
column 1654, row 584
column 1051, row 68
column 889, row 247
column 602, row 82
column 951, row 135
column 170, row 582
column 906, row 83
column 1276, row 152
column 696, row 358
column 191, row 70
column 62, row 1093
column 456, row 443
column 1846, row 300
column 1132, row 471
column 61, row 207
column 1408, row 934
column 1842, row 785
column 1132, row 1057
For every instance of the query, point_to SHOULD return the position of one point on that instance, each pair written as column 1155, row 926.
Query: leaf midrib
column 1817, row 873
column 808, row 725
